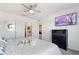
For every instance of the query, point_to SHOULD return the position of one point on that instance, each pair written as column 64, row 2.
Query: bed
column 36, row 47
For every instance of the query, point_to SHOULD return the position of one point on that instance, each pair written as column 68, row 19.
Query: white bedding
column 41, row 47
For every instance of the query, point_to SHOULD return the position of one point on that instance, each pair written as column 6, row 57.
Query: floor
column 69, row 52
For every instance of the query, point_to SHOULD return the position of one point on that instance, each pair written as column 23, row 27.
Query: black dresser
column 60, row 38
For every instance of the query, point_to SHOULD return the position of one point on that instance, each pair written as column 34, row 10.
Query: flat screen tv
column 68, row 19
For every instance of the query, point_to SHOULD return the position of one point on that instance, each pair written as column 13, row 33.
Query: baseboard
column 73, row 50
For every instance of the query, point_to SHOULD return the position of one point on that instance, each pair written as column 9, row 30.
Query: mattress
column 39, row 47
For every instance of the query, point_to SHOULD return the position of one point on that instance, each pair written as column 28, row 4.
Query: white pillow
column 3, row 43
column 1, row 51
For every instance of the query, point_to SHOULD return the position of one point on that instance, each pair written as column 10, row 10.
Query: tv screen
column 69, row 19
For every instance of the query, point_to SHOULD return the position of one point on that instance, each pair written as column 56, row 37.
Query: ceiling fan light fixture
column 31, row 11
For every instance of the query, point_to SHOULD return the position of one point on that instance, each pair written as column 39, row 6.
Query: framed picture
column 68, row 19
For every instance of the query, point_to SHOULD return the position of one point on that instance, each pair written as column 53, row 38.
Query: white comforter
column 41, row 47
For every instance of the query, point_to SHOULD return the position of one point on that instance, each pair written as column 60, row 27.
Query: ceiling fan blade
column 35, row 5
column 26, row 10
column 32, row 6
column 25, row 6
column 37, row 10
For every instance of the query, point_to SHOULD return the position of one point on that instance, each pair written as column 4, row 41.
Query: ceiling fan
column 31, row 8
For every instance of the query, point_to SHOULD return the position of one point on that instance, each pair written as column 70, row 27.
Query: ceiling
column 45, row 8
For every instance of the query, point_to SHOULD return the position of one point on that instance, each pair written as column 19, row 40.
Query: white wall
column 7, row 18
column 73, row 30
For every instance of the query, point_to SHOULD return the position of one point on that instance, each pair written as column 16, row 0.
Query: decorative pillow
column 3, row 43
column 2, row 52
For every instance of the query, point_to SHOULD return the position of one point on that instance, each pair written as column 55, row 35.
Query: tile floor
column 69, row 52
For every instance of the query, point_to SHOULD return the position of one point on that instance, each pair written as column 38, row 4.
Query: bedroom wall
column 73, row 30
column 8, row 18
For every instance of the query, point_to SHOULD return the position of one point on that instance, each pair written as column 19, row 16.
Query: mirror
column 11, row 27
